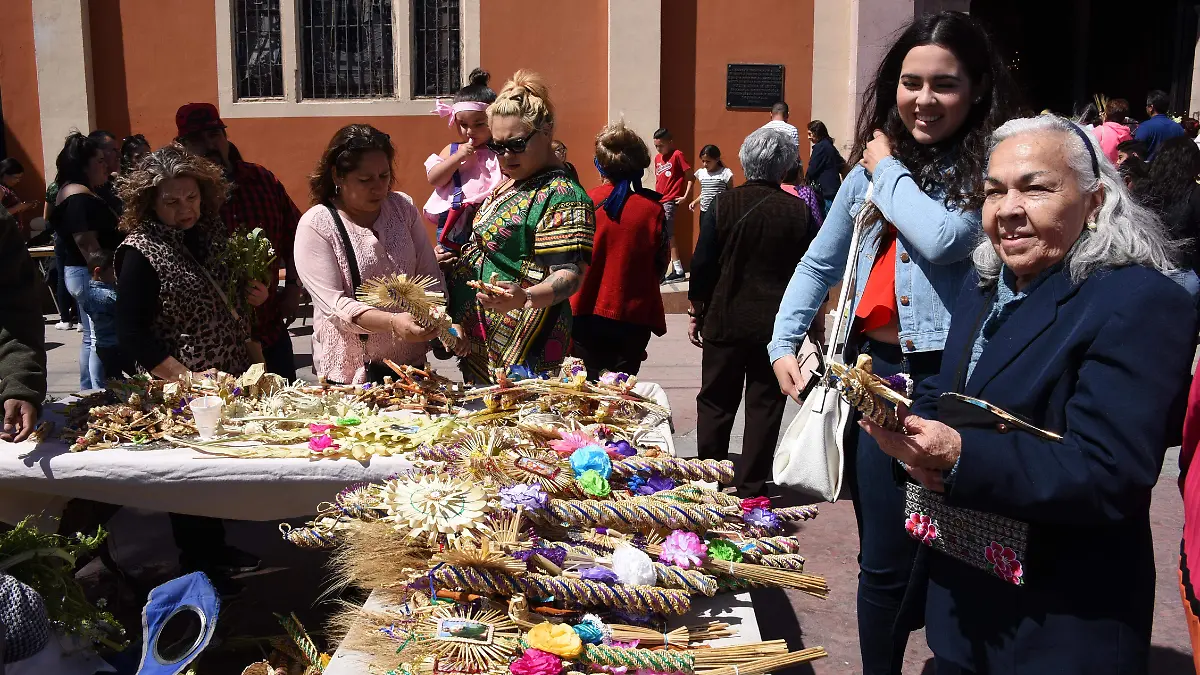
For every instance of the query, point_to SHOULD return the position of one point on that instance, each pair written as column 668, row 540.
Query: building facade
column 286, row 74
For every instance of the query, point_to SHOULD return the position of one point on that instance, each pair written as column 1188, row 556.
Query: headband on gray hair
column 1087, row 144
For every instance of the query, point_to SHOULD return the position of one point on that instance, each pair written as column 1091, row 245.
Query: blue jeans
column 91, row 371
column 891, row 598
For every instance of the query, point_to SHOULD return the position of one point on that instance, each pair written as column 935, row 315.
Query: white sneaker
column 77, row 327
column 62, row 325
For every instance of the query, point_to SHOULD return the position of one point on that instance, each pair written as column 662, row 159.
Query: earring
column 1091, row 224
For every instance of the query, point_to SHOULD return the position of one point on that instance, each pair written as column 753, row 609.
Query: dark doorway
column 1064, row 51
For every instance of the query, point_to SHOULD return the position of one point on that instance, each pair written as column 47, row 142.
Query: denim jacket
column 933, row 250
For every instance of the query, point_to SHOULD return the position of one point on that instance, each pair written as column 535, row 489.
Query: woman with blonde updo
column 620, row 304
column 533, row 234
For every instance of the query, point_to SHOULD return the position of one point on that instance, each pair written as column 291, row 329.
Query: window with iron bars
column 437, row 48
column 346, row 49
column 258, row 48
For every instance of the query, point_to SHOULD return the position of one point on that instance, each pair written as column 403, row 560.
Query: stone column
column 62, row 50
column 635, row 64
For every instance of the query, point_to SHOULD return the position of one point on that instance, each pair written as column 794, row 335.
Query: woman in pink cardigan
column 359, row 228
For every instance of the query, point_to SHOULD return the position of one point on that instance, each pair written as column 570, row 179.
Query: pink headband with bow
column 451, row 111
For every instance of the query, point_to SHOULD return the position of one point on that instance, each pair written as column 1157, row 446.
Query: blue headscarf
column 614, row 203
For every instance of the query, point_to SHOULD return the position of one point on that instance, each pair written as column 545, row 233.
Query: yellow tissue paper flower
column 558, row 639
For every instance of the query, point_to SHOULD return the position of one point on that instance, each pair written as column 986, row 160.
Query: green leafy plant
column 46, row 563
column 249, row 256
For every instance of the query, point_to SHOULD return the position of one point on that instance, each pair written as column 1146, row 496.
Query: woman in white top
column 714, row 178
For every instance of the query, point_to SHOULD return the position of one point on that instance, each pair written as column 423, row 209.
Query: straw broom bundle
column 372, row 556
column 680, row 636
column 715, row 657
column 771, row 663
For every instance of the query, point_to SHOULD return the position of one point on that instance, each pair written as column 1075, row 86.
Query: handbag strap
column 836, row 348
column 351, row 259
column 732, row 228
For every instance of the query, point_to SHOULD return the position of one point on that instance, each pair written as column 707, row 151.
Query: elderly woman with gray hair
column 1037, row 508
column 741, row 266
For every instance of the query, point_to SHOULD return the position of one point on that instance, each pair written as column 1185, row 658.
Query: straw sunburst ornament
column 434, row 505
column 482, row 640
column 537, row 465
column 412, row 295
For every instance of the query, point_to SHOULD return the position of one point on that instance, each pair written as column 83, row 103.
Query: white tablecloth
column 40, row 478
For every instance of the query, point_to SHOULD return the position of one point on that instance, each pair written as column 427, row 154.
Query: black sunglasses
column 514, row 145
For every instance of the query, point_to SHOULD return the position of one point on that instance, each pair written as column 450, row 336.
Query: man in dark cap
column 258, row 199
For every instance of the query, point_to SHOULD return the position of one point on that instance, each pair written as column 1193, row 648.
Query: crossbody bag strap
column 216, row 287
column 725, row 249
column 836, row 348
column 351, row 259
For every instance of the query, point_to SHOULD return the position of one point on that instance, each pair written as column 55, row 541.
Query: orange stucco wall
column 19, row 91
column 151, row 56
column 699, row 38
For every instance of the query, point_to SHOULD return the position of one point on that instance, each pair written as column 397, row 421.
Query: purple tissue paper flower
column 764, row 518
column 900, row 383
column 656, row 483
column 528, row 495
column 597, row 573
column 554, row 554
column 623, row 448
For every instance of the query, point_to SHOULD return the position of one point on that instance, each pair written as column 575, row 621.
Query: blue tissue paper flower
column 591, row 457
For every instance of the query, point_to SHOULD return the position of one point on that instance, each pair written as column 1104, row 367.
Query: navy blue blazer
column 825, row 168
column 1107, row 365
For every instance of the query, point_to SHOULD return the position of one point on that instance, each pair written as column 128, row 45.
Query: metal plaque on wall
column 753, row 85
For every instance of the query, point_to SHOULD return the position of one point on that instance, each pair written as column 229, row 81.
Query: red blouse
column 877, row 308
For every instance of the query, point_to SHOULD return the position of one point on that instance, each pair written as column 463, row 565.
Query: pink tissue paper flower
column 322, row 443
column 684, row 549
column 536, row 662
column 317, row 429
column 572, row 441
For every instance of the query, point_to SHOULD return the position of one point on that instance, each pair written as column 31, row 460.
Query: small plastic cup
column 207, row 412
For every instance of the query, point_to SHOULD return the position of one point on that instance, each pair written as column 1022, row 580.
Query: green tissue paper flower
column 722, row 549
column 594, row 484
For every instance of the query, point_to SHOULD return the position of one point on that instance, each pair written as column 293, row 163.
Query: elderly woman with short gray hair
column 1037, row 509
column 743, row 260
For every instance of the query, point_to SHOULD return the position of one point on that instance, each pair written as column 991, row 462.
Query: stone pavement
column 293, row 579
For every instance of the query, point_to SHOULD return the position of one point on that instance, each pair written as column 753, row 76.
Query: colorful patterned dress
column 521, row 232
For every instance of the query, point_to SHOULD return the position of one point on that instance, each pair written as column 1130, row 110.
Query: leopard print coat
column 193, row 321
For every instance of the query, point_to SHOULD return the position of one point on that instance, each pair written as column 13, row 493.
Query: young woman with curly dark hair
column 920, row 148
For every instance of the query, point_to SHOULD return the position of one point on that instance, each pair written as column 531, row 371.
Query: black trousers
column 607, row 344
column 280, row 359
column 727, row 368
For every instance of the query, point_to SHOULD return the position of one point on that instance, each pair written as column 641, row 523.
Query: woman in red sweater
column 619, row 304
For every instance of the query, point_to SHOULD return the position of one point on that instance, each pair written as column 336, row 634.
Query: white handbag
column 811, row 455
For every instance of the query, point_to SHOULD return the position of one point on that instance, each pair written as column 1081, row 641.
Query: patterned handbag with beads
column 992, row 543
